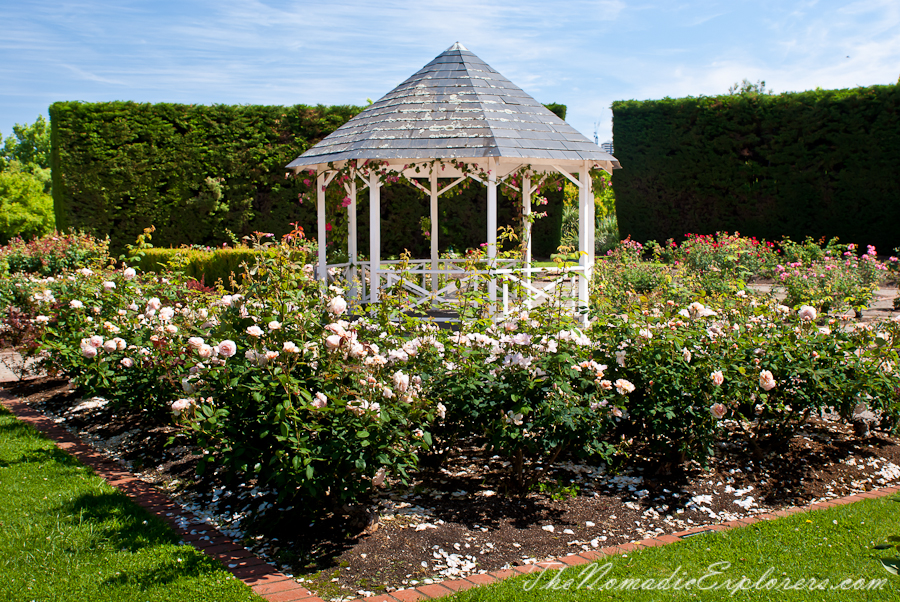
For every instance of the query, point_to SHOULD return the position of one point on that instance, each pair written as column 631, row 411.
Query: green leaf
column 362, row 434
column 891, row 565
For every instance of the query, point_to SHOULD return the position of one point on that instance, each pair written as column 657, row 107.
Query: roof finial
column 457, row 46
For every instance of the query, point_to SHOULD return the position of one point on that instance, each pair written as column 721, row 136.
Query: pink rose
column 807, row 313
column 129, row 273
column 204, row 351
column 623, row 386
column 717, row 377
column 320, row 401
column 255, row 331
column 227, row 348
column 127, row 362
column 180, row 405
column 96, row 341
column 767, row 380
column 89, row 352
column 717, row 410
column 154, row 303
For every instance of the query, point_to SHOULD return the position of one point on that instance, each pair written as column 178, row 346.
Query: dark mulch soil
column 456, row 519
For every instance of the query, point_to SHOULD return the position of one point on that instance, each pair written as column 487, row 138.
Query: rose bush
column 839, row 281
column 287, row 382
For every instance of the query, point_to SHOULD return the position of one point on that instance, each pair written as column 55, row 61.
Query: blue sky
column 583, row 53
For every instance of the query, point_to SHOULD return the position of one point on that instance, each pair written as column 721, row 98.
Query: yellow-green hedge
column 206, row 267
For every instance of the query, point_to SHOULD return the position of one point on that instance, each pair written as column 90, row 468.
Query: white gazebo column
column 492, row 226
column 434, row 229
column 526, row 232
column 585, row 233
column 320, row 219
column 352, row 238
column 374, row 236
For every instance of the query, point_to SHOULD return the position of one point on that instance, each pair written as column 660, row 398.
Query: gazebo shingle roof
column 456, row 106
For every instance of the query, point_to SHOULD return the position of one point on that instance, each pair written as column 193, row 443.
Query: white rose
column 336, row 306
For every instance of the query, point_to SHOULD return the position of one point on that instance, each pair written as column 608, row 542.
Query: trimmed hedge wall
column 192, row 171
column 204, row 266
column 821, row 163
column 206, row 174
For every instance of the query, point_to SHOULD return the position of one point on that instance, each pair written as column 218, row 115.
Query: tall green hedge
column 462, row 221
column 192, row 171
column 205, row 174
column 817, row 163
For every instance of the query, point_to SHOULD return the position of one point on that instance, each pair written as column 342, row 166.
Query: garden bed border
column 275, row 586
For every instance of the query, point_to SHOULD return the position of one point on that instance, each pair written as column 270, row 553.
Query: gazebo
column 455, row 118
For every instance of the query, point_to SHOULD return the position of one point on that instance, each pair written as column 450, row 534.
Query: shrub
column 833, row 283
column 25, row 209
column 814, row 163
column 207, row 266
column 254, row 406
column 622, row 276
column 53, row 254
column 281, row 383
column 529, row 387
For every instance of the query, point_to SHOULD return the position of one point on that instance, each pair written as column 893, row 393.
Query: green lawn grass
column 834, row 544
column 65, row 535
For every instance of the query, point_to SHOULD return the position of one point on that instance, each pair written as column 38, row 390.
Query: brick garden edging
column 275, row 586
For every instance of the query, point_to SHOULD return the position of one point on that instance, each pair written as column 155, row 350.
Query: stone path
column 14, row 368
column 882, row 305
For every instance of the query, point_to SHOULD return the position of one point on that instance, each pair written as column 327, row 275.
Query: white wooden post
column 526, row 232
column 434, row 229
column 352, row 238
column 585, row 233
column 320, row 219
column 374, row 236
column 592, row 221
column 492, row 226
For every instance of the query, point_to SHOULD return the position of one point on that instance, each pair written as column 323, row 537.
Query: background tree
column 747, row 88
column 26, row 207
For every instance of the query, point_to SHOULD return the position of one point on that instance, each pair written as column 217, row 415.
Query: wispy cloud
column 81, row 73
column 585, row 53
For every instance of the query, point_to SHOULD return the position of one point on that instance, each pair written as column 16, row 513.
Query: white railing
column 519, row 287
